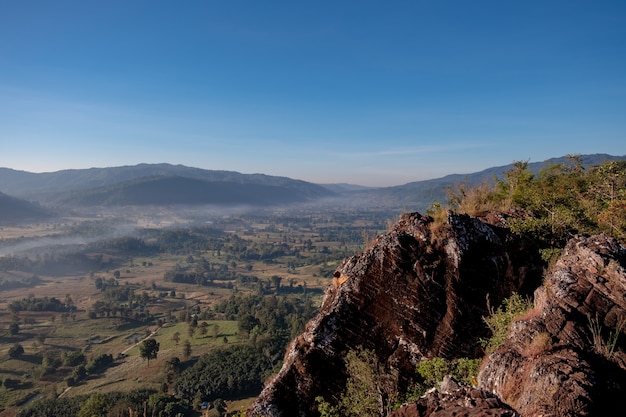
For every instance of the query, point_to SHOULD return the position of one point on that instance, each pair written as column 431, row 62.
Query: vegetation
column 501, row 318
column 434, row 370
column 149, row 349
column 242, row 286
column 368, row 388
column 604, row 344
column 226, row 295
column 558, row 202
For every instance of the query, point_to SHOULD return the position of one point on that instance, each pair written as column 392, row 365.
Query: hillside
column 14, row 210
column 190, row 191
column 419, row 195
column 166, row 184
column 162, row 184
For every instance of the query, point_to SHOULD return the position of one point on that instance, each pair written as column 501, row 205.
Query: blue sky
column 365, row 92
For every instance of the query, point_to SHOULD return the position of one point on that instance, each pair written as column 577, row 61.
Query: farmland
column 81, row 290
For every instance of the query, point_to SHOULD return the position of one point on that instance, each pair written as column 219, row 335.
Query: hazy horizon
column 353, row 92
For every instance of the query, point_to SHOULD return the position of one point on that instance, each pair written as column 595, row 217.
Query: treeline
column 560, row 201
column 184, row 241
column 48, row 263
column 276, row 316
column 131, row 403
column 42, row 304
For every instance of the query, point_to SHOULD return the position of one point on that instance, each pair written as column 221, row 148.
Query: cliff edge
column 418, row 291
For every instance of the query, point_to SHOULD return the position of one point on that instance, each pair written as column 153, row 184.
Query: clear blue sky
column 365, row 92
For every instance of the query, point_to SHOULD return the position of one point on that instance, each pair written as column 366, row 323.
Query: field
column 116, row 290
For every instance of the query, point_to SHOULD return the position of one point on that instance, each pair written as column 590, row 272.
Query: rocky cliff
column 565, row 358
column 421, row 291
column 418, row 291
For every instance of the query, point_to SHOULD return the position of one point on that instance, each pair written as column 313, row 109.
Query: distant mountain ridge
column 180, row 190
column 420, row 195
column 158, row 184
column 166, row 184
column 23, row 183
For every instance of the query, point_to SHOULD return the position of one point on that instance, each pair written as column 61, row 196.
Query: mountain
column 190, row 191
column 165, row 184
column 420, row 195
column 14, row 210
column 157, row 184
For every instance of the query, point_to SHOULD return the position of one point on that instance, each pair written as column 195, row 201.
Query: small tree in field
column 16, row 351
column 149, row 349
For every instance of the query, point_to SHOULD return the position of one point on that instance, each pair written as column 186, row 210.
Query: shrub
column 500, row 320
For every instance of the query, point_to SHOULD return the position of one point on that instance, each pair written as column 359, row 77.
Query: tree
column 369, row 388
column 204, row 328
column 96, row 405
column 16, row 351
column 14, row 328
column 172, row 368
column 186, row 349
column 149, row 349
column 276, row 280
column 247, row 322
column 176, row 337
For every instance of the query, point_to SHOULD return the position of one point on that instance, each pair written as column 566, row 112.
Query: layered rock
column 452, row 399
column 420, row 290
column 565, row 358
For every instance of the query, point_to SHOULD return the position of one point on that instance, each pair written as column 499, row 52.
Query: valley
column 162, row 275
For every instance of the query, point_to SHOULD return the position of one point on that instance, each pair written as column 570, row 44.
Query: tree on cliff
column 369, row 388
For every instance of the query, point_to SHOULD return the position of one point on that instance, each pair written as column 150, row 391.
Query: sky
column 365, row 92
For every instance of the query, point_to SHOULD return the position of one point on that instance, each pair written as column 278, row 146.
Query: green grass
column 227, row 328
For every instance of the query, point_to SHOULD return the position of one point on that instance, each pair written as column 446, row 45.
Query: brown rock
column 418, row 291
column 573, row 373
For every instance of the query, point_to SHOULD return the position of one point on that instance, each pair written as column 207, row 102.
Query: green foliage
column 463, row 369
column 433, row 370
column 149, row 349
column 39, row 304
column 369, row 388
column 58, row 407
column 276, row 316
column 500, row 320
column 99, row 363
column 96, row 405
column 230, row 372
column 73, row 358
column 562, row 200
column 363, row 394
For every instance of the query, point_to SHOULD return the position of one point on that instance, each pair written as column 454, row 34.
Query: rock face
column 418, row 291
column 561, row 358
column 455, row 400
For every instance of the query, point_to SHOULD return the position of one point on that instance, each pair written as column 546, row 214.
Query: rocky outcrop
column 565, row 357
column 455, row 400
column 418, row 291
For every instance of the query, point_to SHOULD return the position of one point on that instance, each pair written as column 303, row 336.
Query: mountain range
column 27, row 196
